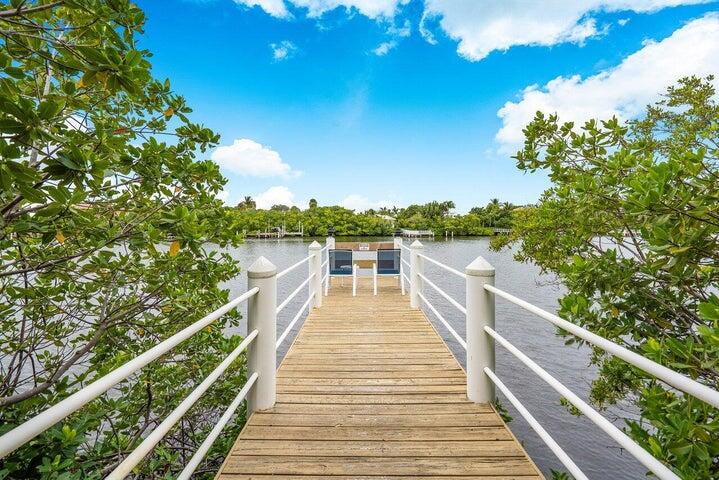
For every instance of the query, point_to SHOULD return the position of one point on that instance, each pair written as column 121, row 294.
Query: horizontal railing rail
column 292, row 323
column 569, row 464
column 644, row 457
column 194, row 462
column 315, row 282
column 667, row 375
column 479, row 313
column 159, row 432
column 28, row 430
column 418, row 279
column 442, row 265
column 446, row 324
column 444, row 294
column 296, row 265
column 292, row 295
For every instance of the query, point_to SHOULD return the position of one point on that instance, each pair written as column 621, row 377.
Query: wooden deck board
column 368, row 391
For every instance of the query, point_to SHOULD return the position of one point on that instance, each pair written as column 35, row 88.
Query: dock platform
column 369, row 390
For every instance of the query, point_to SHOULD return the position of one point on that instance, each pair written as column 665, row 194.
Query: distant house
column 388, row 218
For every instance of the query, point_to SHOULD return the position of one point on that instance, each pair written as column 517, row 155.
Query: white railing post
column 416, row 269
column 398, row 246
column 480, row 346
column 330, row 243
column 374, row 277
column 262, row 316
column 316, row 269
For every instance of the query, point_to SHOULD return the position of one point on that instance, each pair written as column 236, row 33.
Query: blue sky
column 367, row 103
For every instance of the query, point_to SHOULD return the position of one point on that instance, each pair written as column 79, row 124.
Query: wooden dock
column 369, row 390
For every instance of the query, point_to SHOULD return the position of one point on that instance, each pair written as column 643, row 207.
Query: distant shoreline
column 436, row 237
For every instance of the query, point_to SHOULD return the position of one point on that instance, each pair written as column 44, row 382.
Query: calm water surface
column 596, row 454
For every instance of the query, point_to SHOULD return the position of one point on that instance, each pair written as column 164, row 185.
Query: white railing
column 572, row 467
column 444, row 294
column 25, row 432
column 442, row 265
column 446, row 324
column 136, row 456
column 261, row 344
column 479, row 344
column 292, row 267
column 294, row 294
column 667, row 375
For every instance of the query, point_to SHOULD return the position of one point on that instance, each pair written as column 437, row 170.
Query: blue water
column 593, row 451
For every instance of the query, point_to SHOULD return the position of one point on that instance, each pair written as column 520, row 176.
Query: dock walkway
column 369, row 390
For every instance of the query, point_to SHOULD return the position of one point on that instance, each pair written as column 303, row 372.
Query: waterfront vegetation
column 316, row 220
column 98, row 167
column 631, row 228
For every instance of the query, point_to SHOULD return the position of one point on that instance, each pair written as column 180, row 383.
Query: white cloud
column 283, row 50
column 623, row 21
column 397, row 33
column 361, row 203
column 402, row 31
column 369, row 8
column 624, row 90
column 223, row 195
column 316, row 8
column 279, row 195
column 276, row 8
column 481, row 27
column 249, row 158
column 384, row 48
column 426, row 31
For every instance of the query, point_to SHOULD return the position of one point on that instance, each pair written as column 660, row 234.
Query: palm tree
column 247, row 203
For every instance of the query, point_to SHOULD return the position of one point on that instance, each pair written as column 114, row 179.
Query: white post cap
column 480, row 268
column 261, row 268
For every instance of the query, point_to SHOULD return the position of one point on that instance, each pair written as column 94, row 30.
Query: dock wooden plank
column 369, row 391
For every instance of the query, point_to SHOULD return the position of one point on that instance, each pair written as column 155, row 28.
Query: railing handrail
column 667, row 375
column 28, row 430
column 446, row 324
column 294, row 293
column 292, row 267
column 482, row 274
column 572, row 467
column 442, row 265
column 644, row 457
column 292, row 323
column 158, row 433
column 202, row 450
column 451, row 300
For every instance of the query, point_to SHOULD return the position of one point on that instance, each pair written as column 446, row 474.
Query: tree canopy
column 105, row 209
column 631, row 227
column 316, row 220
